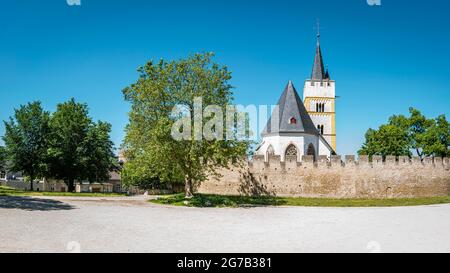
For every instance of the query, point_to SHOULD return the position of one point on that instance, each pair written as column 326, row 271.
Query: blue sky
column 384, row 59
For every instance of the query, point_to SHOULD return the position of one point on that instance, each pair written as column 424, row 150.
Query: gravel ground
column 69, row 224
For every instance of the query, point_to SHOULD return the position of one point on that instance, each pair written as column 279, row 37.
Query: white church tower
column 319, row 97
column 307, row 127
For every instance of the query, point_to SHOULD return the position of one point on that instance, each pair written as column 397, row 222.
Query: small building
column 94, row 188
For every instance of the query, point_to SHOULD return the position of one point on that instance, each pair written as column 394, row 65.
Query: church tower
column 319, row 97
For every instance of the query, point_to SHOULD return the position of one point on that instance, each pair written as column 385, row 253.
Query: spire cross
column 318, row 31
column 318, row 28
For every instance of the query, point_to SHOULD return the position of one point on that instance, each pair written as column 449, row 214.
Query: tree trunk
column 188, row 188
column 31, row 183
column 71, row 186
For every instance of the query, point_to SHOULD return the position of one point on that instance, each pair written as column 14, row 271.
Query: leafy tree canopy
column 427, row 137
column 3, row 159
column 79, row 149
column 26, row 138
column 151, row 150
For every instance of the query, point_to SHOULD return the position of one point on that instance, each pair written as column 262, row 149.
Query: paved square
column 68, row 224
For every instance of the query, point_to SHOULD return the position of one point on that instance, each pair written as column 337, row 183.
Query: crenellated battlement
column 337, row 176
column 274, row 163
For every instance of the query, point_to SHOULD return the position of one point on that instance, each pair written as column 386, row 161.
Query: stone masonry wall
column 336, row 178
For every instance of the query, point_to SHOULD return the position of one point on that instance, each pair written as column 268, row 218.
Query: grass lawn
column 206, row 200
column 5, row 191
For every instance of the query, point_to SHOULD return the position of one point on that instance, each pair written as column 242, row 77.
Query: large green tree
column 151, row 150
column 387, row 140
column 26, row 143
column 435, row 141
column 427, row 137
column 415, row 126
column 79, row 149
column 98, row 152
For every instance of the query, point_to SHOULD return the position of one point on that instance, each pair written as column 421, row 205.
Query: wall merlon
column 427, row 160
column 402, row 160
column 438, row 161
column 307, row 159
column 416, row 160
column 291, row 163
column 391, row 160
column 336, row 160
column 350, row 160
column 257, row 158
column 447, row 163
column 377, row 159
column 258, row 162
column 275, row 163
column 322, row 160
column 363, row 160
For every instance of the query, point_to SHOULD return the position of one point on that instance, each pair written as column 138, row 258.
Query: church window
column 291, row 150
column 293, row 121
column 311, row 151
column 320, row 128
column 320, row 107
column 270, row 151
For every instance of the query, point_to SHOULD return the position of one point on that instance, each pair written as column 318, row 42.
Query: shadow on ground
column 32, row 204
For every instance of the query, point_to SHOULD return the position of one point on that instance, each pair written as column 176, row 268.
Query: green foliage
column 387, row 140
column 98, row 153
column 3, row 157
column 79, row 148
column 427, row 137
column 66, row 145
column 436, row 140
column 25, row 138
column 208, row 200
column 151, row 151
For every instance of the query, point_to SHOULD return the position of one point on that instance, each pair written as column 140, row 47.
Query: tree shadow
column 32, row 204
column 250, row 186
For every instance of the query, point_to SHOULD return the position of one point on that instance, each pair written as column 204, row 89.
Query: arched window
column 293, row 121
column 270, row 151
column 291, row 150
column 323, row 107
column 317, row 107
column 311, row 151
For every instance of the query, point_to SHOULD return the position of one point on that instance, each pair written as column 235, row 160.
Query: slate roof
column 318, row 72
column 290, row 106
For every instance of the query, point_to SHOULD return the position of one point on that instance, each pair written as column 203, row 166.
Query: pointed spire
column 318, row 72
column 327, row 74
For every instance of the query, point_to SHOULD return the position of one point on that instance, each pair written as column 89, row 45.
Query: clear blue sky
column 384, row 59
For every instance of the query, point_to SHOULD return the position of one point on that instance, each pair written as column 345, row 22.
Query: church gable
column 291, row 115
